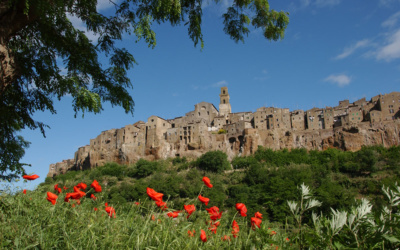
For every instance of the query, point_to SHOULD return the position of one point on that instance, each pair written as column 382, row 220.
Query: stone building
column 196, row 132
column 389, row 105
column 224, row 105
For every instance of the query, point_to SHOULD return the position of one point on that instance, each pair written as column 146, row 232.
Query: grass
column 29, row 221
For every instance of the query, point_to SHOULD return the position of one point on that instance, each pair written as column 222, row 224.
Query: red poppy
column 213, row 227
column 203, row 236
column 55, row 187
column 153, row 217
column 106, row 204
column 255, row 222
column 225, row 238
column 204, row 200
column 73, row 205
column 287, row 239
column 173, row 214
column 258, row 215
column 235, row 229
column 137, row 203
column 82, row 186
column 191, row 233
column 52, row 197
column 242, row 209
column 111, row 211
column 93, row 197
column 65, row 188
column 24, row 191
column 189, row 209
column 214, row 213
column 30, row 177
column 95, row 209
column 96, row 186
column 272, row 233
column 162, row 205
column 59, row 190
column 154, row 195
column 207, row 182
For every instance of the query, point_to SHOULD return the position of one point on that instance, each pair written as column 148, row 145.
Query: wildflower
column 207, row 182
column 106, row 204
column 137, row 203
column 73, row 205
column 162, row 205
column 96, row 186
column 154, row 195
column 82, row 186
column 191, row 233
column 93, row 197
column 173, row 214
column 110, row 211
column 255, row 222
column 24, row 191
column 30, row 177
column 272, row 233
column 203, row 236
column 242, row 209
column 214, row 213
column 153, row 217
column 287, row 239
column 59, row 190
column 189, row 209
column 95, row 209
column 55, row 187
column 52, row 197
column 258, row 215
column 213, row 227
column 235, row 229
column 204, row 200
column 226, row 238
column 65, row 188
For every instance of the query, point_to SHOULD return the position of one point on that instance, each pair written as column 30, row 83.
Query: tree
column 36, row 34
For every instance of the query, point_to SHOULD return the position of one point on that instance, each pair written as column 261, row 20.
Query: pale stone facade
column 347, row 126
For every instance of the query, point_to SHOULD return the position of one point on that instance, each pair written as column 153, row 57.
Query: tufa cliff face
column 346, row 127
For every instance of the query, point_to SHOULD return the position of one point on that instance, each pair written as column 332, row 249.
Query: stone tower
column 224, row 105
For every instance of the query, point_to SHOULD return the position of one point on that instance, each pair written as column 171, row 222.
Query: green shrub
column 178, row 160
column 213, row 161
column 243, row 162
column 144, row 168
column 222, row 131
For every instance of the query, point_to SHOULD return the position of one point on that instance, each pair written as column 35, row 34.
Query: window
column 163, row 124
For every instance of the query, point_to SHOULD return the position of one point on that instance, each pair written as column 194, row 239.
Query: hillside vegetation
column 326, row 192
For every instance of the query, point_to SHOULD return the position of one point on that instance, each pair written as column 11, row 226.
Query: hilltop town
column 347, row 126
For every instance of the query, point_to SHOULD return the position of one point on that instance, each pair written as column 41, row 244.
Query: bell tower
column 224, row 105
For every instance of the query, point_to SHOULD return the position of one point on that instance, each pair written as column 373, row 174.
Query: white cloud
column 350, row 50
column 78, row 24
column 220, row 84
column 391, row 50
column 326, row 3
column 391, row 21
column 104, row 4
column 340, row 80
column 387, row 3
column 262, row 78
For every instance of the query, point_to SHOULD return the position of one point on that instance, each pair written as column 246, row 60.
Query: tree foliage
column 35, row 35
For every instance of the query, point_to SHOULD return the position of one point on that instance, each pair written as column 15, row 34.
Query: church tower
column 224, row 105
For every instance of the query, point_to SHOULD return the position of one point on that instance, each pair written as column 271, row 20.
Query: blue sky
column 332, row 50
